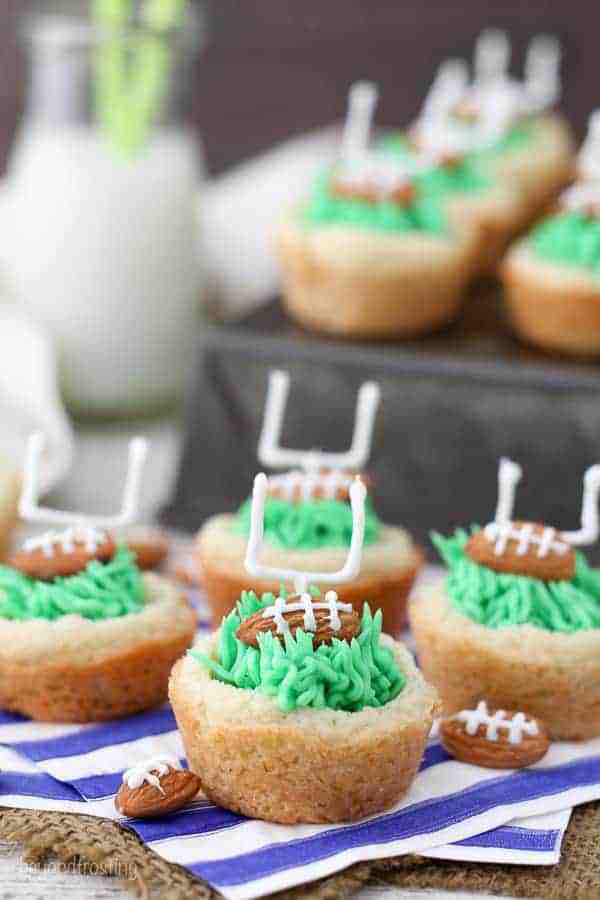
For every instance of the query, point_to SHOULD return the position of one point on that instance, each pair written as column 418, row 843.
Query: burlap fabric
column 102, row 846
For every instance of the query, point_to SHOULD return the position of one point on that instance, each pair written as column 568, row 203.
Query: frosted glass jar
column 102, row 243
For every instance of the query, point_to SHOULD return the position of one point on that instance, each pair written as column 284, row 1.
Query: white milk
column 104, row 252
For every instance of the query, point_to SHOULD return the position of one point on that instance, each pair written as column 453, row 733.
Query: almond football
column 523, row 548
column 294, row 616
column 61, row 559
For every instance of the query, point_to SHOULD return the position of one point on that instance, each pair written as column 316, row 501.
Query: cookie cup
column 542, row 167
column 388, row 570
column 553, row 306
column 306, row 766
column 360, row 283
column 552, row 676
column 498, row 215
column 10, row 489
column 78, row 670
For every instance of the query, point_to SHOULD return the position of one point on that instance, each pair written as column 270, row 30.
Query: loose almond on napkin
column 155, row 788
column 495, row 739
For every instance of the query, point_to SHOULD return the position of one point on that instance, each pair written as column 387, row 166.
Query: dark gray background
column 277, row 67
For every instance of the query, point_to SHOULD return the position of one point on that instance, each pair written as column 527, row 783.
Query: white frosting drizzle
column 67, row 540
column 272, row 454
column 307, row 484
column 500, row 533
column 302, row 579
column 498, row 99
column 150, row 771
column 517, row 726
column 308, row 606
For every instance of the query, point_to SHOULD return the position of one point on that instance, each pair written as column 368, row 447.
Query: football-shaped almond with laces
column 297, row 485
column 325, row 620
column 523, row 548
column 62, row 553
column 495, row 739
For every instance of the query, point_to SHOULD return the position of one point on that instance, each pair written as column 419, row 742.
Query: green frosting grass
column 341, row 675
column 308, row 525
column 569, row 239
column 499, row 600
column 325, row 208
column 100, row 591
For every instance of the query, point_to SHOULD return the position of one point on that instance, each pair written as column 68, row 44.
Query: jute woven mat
column 101, row 844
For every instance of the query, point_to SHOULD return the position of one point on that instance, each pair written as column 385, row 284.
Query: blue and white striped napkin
column 452, row 811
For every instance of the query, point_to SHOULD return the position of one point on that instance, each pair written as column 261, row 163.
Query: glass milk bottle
column 101, row 210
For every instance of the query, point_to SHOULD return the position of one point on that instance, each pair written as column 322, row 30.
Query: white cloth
column 239, row 212
column 29, row 398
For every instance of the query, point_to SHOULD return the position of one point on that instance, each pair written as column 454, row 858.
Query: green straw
column 132, row 71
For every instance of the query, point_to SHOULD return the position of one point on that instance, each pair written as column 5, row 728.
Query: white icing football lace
column 307, row 484
column 503, row 529
column 150, row 771
column 381, row 174
column 525, row 536
column 67, row 540
column 271, row 453
column 307, row 605
column 517, row 726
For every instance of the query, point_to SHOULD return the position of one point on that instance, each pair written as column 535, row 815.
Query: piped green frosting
column 470, row 176
column 101, row 591
column 569, row 239
column 499, row 600
column 341, row 675
column 308, row 525
column 325, row 208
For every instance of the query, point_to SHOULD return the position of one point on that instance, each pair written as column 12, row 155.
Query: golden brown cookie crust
column 551, row 676
column 389, row 569
column 333, row 283
column 127, row 673
column 554, row 307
